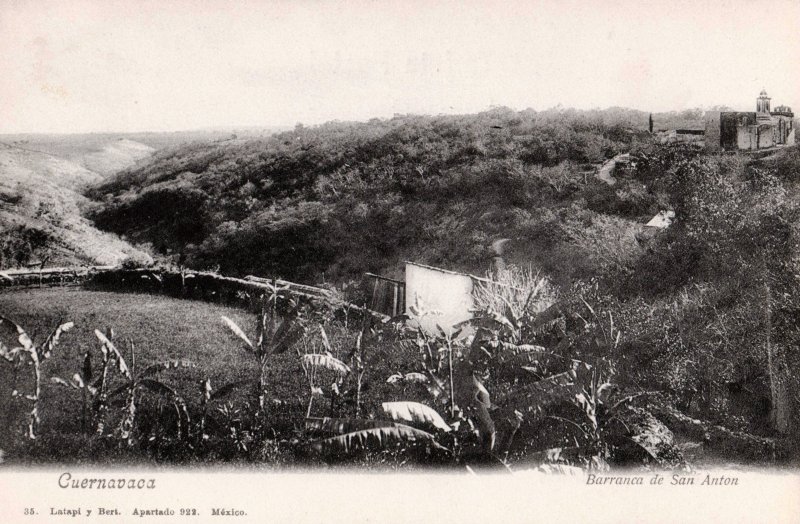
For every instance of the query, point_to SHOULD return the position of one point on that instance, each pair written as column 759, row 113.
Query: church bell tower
column 762, row 102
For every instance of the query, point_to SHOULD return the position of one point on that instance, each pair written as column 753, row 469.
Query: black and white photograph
column 384, row 261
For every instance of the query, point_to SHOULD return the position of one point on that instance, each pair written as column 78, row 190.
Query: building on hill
column 681, row 136
column 749, row 131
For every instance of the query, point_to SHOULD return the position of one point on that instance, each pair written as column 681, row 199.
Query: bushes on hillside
column 369, row 193
column 22, row 245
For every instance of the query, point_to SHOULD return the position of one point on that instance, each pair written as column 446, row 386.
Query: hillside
column 40, row 213
column 702, row 314
column 339, row 199
column 107, row 153
column 42, row 180
column 116, row 156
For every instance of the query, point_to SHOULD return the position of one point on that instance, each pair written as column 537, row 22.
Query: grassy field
column 161, row 328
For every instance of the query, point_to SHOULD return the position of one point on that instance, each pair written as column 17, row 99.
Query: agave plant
column 37, row 355
column 511, row 300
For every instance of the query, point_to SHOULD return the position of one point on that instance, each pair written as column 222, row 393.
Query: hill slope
column 107, row 153
column 116, row 156
column 342, row 198
column 42, row 180
column 40, row 213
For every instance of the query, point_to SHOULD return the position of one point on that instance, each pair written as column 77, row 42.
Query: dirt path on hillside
column 604, row 173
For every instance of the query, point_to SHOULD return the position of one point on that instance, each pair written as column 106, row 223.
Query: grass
column 162, row 328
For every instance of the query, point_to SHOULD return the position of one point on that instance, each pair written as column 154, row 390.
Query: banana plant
column 351, row 435
column 273, row 337
column 314, row 363
column 142, row 382
column 37, row 355
column 82, row 382
column 511, row 365
column 276, row 292
column 208, row 394
column 405, row 379
column 14, row 357
column 358, row 360
column 111, row 358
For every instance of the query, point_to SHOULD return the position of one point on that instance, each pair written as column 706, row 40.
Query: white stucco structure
column 447, row 293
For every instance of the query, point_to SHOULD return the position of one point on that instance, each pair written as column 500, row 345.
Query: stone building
column 749, row 131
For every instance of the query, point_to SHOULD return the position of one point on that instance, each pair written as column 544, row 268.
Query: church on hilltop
column 749, row 131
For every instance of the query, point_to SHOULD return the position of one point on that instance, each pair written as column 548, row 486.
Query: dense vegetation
column 41, row 180
column 307, row 389
column 343, row 198
column 170, row 351
column 713, row 300
column 538, row 383
column 697, row 319
column 707, row 306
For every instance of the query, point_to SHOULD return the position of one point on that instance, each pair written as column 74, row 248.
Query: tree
column 738, row 216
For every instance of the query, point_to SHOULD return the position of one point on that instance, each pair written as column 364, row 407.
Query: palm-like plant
column 352, row 435
column 134, row 383
column 314, row 363
column 37, row 355
column 273, row 336
column 82, row 382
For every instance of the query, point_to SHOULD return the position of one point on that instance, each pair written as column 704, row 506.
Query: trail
column 604, row 173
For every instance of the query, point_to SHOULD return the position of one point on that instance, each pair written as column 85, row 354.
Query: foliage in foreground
column 440, row 421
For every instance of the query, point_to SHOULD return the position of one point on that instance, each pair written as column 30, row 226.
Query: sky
column 123, row 66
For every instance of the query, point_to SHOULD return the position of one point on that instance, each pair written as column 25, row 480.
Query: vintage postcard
column 367, row 261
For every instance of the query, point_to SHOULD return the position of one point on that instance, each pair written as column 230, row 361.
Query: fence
column 209, row 287
column 247, row 293
column 53, row 276
column 302, row 289
column 388, row 295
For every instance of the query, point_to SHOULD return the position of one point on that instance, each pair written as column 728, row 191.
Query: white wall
column 446, row 291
